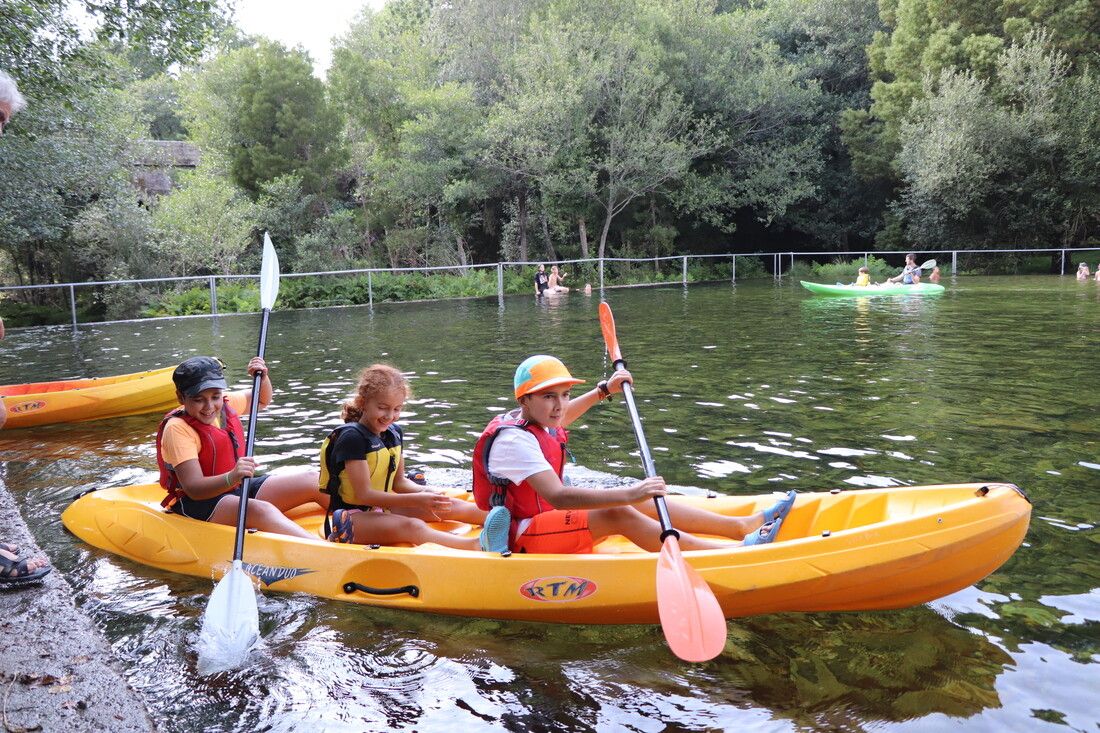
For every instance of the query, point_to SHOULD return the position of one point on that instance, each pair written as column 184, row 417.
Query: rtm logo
column 557, row 589
column 27, row 407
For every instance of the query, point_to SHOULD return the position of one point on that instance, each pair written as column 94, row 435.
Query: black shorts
column 201, row 509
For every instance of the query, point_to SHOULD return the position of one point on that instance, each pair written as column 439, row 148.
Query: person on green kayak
column 910, row 274
column 363, row 470
column 518, row 464
column 863, row 279
column 200, row 453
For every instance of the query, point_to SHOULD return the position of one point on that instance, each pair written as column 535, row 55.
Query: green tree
column 1006, row 161
column 204, row 225
column 262, row 114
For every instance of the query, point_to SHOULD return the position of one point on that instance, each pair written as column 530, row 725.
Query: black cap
column 199, row 373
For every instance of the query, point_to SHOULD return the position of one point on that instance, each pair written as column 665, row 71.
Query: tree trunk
column 523, row 225
column 460, row 243
column 603, row 234
column 584, row 238
column 546, row 235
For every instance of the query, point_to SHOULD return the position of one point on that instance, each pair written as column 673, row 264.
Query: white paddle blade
column 928, row 265
column 269, row 275
column 231, row 624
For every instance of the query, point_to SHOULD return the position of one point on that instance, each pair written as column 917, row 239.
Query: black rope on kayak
column 412, row 590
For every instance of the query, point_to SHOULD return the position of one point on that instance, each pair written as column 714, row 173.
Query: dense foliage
column 457, row 133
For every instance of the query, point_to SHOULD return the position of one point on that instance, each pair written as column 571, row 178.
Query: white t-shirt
column 516, row 456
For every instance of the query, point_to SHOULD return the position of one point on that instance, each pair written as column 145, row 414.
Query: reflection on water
column 743, row 390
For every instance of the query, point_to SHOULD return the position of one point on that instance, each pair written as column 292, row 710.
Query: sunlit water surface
column 743, row 390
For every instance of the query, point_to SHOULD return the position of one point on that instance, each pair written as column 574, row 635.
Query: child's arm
column 550, row 487
column 257, row 364
column 359, row 474
column 199, row 487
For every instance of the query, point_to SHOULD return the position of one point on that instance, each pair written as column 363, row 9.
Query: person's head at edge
column 11, row 101
column 542, row 385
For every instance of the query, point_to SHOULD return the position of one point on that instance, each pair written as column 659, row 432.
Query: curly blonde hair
column 373, row 380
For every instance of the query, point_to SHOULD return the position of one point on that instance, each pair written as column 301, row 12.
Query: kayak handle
column 412, row 590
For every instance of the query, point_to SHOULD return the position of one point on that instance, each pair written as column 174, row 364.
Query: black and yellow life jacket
column 383, row 456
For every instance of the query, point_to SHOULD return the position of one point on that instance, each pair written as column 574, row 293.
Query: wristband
column 603, row 390
column 228, row 479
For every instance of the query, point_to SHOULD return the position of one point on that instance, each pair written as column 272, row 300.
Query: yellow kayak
column 76, row 400
column 836, row 551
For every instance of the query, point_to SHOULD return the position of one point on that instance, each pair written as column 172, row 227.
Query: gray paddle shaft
column 647, row 457
column 242, row 512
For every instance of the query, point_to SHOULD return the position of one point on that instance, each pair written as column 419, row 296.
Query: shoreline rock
column 56, row 667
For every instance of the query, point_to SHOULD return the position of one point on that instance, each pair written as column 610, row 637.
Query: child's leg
column 262, row 515
column 289, row 490
column 377, row 528
column 696, row 519
column 461, row 511
column 641, row 530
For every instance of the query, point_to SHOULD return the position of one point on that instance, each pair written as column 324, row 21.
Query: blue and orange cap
column 540, row 372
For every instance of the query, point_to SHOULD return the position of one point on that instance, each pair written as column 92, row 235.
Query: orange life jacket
column 521, row 500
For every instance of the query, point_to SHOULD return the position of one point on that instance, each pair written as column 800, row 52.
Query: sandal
column 781, row 508
column 494, row 533
column 342, row 529
column 763, row 534
column 15, row 572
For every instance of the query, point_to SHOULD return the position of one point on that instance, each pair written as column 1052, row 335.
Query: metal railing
column 778, row 259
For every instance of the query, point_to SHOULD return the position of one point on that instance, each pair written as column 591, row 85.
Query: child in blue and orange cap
column 518, row 465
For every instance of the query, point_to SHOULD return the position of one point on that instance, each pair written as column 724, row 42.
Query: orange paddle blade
column 691, row 618
column 607, row 325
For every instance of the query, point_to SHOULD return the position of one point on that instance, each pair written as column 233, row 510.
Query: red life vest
column 521, row 500
column 219, row 448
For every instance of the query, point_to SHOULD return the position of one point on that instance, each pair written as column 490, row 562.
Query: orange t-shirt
column 180, row 443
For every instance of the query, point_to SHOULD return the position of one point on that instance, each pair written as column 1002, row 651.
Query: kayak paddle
column 231, row 624
column 927, row 265
column 691, row 618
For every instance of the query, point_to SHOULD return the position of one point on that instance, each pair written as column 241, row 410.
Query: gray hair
column 9, row 92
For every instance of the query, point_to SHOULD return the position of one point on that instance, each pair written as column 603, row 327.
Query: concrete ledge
column 56, row 668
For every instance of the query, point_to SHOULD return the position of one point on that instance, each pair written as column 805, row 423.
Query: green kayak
column 863, row 290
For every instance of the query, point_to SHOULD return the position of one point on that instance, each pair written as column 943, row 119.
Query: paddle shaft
column 647, row 457
column 250, row 441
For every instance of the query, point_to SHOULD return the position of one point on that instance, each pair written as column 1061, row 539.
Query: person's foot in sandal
column 17, row 570
column 763, row 535
column 342, row 529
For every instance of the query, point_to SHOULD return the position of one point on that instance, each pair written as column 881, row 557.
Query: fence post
column 1063, row 262
column 601, row 273
column 954, row 270
column 500, row 281
column 865, row 260
column 733, row 269
column 370, row 290
column 72, row 303
column 213, row 296
column 685, row 270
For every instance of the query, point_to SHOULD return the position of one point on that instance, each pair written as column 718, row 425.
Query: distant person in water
column 556, row 280
column 588, row 286
column 910, row 274
column 542, row 281
column 1098, row 274
column 864, row 277
column 935, row 276
column 1083, row 271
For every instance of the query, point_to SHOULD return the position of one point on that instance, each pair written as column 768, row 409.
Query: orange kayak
column 76, row 400
column 836, row 551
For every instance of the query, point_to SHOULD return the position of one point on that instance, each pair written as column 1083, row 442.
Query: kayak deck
column 858, row 550
column 77, row 400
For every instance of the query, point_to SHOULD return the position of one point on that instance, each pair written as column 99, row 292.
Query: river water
column 744, row 390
